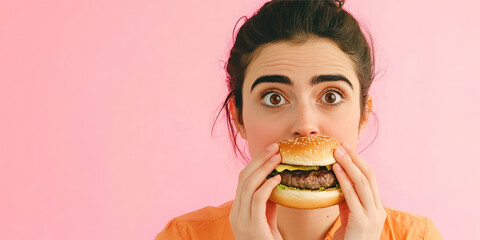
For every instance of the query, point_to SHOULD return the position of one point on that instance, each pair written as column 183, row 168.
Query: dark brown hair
column 296, row 21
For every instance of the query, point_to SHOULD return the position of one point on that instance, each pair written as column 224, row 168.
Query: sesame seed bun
column 308, row 151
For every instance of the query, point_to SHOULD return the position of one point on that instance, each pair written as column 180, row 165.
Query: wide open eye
column 332, row 97
column 273, row 99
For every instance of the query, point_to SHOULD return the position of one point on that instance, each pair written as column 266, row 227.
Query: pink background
column 106, row 109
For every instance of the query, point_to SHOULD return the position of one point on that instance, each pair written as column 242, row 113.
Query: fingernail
column 345, row 144
column 338, row 167
column 275, row 157
column 340, row 151
column 271, row 147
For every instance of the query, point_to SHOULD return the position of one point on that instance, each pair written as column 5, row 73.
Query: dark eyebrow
column 328, row 78
column 272, row 78
column 286, row 80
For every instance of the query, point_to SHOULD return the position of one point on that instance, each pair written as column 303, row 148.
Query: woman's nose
column 305, row 123
column 305, row 133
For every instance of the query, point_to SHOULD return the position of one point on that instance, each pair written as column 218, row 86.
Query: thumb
column 344, row 211
column 271, row 213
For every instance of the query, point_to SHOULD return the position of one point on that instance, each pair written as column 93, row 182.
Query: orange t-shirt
column 212, row 223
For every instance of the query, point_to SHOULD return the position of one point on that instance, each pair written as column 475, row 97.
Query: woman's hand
column 252, row 216
column 362, row 214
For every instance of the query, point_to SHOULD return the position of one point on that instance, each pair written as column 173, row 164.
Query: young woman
column 300, row 69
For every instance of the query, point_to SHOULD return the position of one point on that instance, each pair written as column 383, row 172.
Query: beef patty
column 312, row 180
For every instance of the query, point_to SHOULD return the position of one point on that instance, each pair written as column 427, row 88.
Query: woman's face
column 298, row 90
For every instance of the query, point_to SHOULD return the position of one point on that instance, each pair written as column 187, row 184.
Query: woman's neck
column 305, row 224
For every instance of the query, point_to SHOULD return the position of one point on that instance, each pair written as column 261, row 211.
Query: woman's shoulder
column 209, row 213
column 206, row 223
column 404, row 225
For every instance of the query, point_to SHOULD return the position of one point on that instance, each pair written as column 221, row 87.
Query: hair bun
column 338, row 3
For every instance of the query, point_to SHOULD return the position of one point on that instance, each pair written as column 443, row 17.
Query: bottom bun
column 305, row 199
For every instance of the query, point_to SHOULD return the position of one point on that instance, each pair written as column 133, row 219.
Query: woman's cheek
column 344, row 129
column 261, row 134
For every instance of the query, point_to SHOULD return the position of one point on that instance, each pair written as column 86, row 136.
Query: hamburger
column 308, row 180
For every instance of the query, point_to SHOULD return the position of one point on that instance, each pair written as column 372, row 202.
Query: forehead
column 301, row 61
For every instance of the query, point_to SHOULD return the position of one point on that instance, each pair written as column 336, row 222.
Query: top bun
column 309, row 151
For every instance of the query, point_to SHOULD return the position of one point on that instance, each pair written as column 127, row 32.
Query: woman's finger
column 367, row 171
column 256, row 162
column 360, row 182
column 259, row 160
column 253, row 183
column 260, row 199
column 347, row 188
